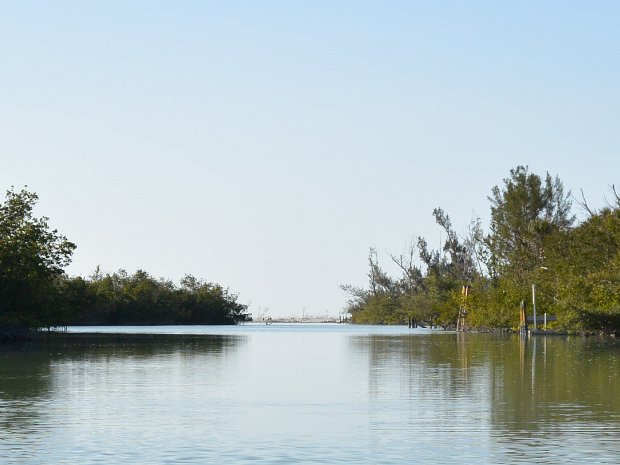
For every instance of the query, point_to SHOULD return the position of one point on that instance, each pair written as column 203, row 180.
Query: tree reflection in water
column 29, row 373
column 485, row 388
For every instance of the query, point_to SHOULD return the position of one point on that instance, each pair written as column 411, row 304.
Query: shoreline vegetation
column 534, row 255
column 482, row 280
column 36, row 293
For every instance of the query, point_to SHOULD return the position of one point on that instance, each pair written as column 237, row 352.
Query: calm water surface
column 309, row 394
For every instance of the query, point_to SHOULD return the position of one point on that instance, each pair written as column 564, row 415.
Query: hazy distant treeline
column 533, row 238
column 35, row 291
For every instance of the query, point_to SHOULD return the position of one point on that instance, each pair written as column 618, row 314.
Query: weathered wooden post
column 522, row 319
column 460, row 321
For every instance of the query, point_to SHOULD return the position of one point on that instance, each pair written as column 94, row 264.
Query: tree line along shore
column 36, row 293
column 484, row 276
column 479, row 279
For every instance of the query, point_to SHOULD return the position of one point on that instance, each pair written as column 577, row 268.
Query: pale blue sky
column 266, row 145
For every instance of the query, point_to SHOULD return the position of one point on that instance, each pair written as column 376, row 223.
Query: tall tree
column 32, row 259
column 525, row 211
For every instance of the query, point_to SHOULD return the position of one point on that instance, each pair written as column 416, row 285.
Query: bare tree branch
column 613, row 189
column 584, row 204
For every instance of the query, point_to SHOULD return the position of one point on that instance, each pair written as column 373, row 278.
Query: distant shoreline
column 294, row 319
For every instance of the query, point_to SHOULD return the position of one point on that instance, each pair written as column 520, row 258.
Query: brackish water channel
column 314, row 394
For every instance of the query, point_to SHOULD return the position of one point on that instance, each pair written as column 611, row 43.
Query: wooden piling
column 460, row 321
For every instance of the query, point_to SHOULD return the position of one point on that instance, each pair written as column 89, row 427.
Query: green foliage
column 531, row 240
column 35, row 292
column 32, row 258
column 140, row 299
column 378, row 309
column 427, row 296
column 494, row 304
column 523, row 213
column 583, row 280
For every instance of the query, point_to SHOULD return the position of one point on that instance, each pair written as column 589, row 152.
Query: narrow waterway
column 308, row 393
